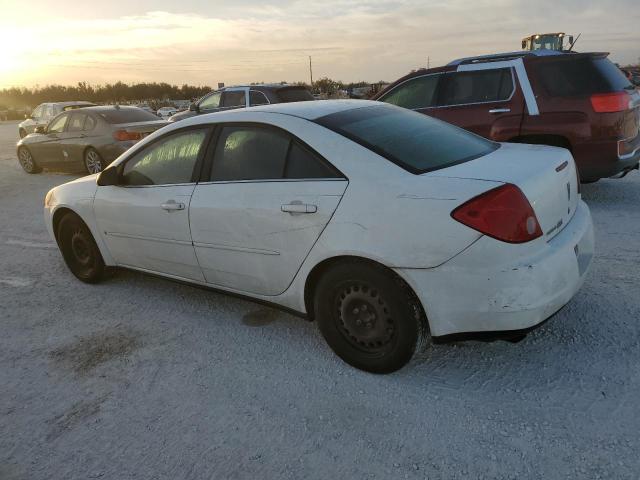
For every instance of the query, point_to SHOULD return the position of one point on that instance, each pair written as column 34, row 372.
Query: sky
column 203, row 42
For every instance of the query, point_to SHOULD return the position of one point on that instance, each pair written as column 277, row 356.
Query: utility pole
column 311, row 72
column 428, row 62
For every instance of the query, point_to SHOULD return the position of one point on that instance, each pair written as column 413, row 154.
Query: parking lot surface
column 139, row 377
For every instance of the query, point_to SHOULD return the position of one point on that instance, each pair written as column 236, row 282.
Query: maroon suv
column 579, row 101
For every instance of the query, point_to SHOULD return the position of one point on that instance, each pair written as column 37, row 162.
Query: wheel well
column 57, row 216
column 316, row 273
column 552, row 140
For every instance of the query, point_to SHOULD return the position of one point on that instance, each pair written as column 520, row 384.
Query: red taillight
column 124, row 135
column 503, row 213
column 610, row 102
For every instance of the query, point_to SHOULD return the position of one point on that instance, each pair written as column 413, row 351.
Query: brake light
column 124, row 135
column 610, row 102
column 503, row 213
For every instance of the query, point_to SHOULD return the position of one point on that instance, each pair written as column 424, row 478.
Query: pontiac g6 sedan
column 387, row 227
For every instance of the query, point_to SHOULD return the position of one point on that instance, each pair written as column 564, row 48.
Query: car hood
column 80, row 188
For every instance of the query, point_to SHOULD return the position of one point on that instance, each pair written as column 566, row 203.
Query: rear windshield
column 128, row 115
column 287, row 95
column 413, row 141
column 584, row 75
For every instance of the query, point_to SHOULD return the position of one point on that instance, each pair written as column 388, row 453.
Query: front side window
column 76, row 124
column 58, row 123
column 168, row 161
column 416, row 142
column 260, row 153
column 477, row 87
column 233, row 99
column 418, row 92
column 210, row 102
column 257, row 98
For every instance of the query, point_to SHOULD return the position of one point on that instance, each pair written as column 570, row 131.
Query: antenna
column 574, row 42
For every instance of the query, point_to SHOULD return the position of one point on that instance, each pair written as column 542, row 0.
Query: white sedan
column 166, row 112
column 387, row 227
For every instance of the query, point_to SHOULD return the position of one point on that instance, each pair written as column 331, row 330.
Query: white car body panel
column 239, row 241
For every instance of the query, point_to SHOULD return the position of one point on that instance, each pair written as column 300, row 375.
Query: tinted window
column 57, row 124
column 415, row 142
column 127, row 115
column 249, row 153
column 210, row 102
column 76, row 124
column 257, row 98
column 170, row 160
column 89, row 124
column 301, row 163
column 294, row 94
column 415, row 93
column 478, row 86
column 233, row 99
column 583, row 75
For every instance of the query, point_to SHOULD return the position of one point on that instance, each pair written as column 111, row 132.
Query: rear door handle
column 298, row 207
column 500, row 110
column 172, row 205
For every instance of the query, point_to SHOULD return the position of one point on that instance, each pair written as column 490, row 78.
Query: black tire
column 27, row 162
column 22, row 132
column 79, row 249
column 93, row 162
column 369, row 317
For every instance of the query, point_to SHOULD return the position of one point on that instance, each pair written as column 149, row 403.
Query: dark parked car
column 44, row 112
column 579, row 101
column 245, row 96
column 87, row 139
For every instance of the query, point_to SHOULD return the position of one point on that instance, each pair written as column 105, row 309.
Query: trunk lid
column 546, row 175
column 144, row 128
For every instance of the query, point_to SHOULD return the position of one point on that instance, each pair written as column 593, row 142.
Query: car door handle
column 500, row 110
column 172, row 205
column 298, row 207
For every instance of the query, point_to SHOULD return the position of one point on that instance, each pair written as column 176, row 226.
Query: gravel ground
column 142, row 378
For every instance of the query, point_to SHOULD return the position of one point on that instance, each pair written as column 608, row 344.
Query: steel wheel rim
column 364, row 320
column 93, row 163
column 26, row 160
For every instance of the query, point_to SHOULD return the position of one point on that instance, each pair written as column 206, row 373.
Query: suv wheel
column 369, row 317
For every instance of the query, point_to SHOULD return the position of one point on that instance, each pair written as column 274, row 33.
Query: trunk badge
column 562, row 166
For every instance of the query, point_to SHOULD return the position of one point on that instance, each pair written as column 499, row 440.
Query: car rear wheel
column 27, row 162
column 79, row 249
column 93, row 161
column 369, row 317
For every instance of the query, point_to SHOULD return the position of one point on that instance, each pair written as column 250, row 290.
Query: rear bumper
column 499, row 288
column 601, row 160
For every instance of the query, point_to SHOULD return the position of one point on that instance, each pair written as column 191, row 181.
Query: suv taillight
column 124, row 135
column 503, row 213
column 610, row 102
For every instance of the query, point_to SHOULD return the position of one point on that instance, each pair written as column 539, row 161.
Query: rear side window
column 76, row 124
column 127, row 115
column 257, row 98
column 290, row 94
column 477, row 87
column 259, row 153
column 415, row 93
column 233, row 99
column 416, row 142
column 579, row 76
column 89, row 124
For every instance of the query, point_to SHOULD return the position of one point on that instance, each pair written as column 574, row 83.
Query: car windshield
column 295, row 94
column 127, row 115
column 413, row 141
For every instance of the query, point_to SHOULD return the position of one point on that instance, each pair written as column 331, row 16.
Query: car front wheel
column 369, row 317
column 27, row 162
column 79, row 249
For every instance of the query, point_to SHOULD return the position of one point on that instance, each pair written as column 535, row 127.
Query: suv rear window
column 416, row 142
column 128, row 115
column 294, row 94
column 584, row 75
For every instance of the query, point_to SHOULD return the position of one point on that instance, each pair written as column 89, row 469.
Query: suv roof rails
column 496, row 57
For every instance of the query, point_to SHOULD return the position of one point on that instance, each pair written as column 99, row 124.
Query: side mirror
column 194, row 107
column 109, row 176
column 40, row 129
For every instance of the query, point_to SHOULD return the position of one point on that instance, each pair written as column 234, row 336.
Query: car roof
column 309, row 110
column 70, row 104
column 263, row 86
column 508, row 55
